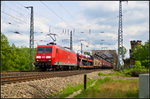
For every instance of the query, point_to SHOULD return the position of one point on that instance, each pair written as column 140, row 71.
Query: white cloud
column 135, row 15
column 17, row 37
column 136, row 29
column 5, row 27
column 84, row 25
column 41, row 24
column 61, row 25
column 137, row 4
column 103, row 5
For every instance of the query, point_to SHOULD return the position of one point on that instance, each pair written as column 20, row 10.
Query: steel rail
column 28, row 76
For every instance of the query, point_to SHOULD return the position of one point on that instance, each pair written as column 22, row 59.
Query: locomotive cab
column 44, row 54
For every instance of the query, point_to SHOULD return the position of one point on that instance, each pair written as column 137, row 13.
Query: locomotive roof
column 43, row 45
column 57, row 46
column 65, row 49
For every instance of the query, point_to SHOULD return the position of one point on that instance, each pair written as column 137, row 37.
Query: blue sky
column 101, row 17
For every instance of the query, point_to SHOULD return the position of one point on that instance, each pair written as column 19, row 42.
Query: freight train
column 55, row 57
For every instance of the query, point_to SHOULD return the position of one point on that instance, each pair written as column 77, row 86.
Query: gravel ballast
column 43, row 88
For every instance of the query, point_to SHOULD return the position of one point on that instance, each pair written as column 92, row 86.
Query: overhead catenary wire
column 2, row 6
column 14, row 21
column 18, row 12
column 63, row 20
column 22, row 15
column 14, row 17
column 68, row 12
column 21, row 7
column 108, row 20
column 37, row 4
column 56, row 14
column 52, row 11
column 10, row 15
column 37, row 14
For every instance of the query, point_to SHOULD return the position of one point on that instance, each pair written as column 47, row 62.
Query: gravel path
column 43, row 88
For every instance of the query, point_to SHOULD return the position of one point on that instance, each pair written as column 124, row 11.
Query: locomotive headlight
column 48, row 56
column 38, row 56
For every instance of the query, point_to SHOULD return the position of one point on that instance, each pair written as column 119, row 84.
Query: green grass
column 135, row 71
column 108, row 88
column 71, row 88
column 114, row 73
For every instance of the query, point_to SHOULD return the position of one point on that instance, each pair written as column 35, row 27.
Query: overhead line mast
column 31, row 38
column 71, row 47
column 120, row 37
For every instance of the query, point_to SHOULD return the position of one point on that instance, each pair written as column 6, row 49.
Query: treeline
column 142, row 60
column 13, row 58
column 141, row 54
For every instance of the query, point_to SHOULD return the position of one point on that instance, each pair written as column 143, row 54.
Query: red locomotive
column 54, row 57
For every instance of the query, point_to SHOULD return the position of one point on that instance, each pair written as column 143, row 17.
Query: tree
column 12, row 57
column 141, row 53
column 5, row 49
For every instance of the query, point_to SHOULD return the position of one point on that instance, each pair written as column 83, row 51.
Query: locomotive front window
column 40, row 50
column 48, row 49
column 44, row 49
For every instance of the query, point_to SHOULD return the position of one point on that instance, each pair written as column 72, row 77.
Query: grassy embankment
column 108, row 88
column 105, row 88
column 70, row 89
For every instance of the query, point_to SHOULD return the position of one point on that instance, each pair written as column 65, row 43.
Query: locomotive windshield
column 44, row 49
column 48, row 49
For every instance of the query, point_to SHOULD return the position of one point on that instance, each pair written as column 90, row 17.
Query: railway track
column 13, row 77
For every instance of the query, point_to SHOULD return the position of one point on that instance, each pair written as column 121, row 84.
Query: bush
column 13, row 58
column 145, row 63
column 136, row 70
